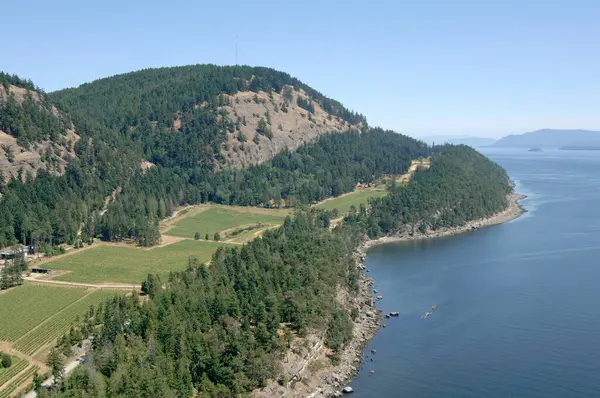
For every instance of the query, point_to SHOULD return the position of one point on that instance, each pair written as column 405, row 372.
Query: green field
column 221, row 218
column 24, row 307
column 18, row 365
column 355, row 198
column 54, row 327
column 12, row 387
column 130, row 264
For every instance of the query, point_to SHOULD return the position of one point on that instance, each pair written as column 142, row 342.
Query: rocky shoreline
column 513, row 210
column 334, row 379
column 331, row 380
column 339, row 375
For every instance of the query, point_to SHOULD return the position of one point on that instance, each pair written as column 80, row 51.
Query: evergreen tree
column 56, row 364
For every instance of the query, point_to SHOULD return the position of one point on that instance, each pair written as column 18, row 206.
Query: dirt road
column 50, row 381
column 121, row 286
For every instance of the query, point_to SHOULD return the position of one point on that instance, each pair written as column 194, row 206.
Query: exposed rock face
column 43, row 155
column 306, row 369
column 290, row 125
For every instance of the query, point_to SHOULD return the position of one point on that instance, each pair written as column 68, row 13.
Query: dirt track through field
column 7, row 348
column 120, row 286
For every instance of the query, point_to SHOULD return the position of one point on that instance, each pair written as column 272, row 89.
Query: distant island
column 535, row 150
column 550, row 138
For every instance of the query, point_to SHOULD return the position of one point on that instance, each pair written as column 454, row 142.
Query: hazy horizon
column 462, row 68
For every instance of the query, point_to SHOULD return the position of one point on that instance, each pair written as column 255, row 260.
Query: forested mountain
column 156, row 95
column 219, row 330
column 34, row 135
column 178, row 122
column 199, row 114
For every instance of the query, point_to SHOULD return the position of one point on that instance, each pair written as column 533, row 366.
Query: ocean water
column 518, row 305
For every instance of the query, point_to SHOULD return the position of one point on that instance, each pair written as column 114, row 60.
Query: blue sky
column 485, row 68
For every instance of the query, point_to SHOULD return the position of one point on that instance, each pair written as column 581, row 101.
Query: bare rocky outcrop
column 290, row 125
column 44, row 155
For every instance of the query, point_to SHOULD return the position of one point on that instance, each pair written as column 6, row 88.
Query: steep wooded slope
column 189, row 122
column 203, row 114
column 34, row 135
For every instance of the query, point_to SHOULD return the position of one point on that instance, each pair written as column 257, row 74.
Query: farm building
column 12, row 252
column 41, row 270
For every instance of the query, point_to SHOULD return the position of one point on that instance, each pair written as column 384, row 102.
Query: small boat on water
column 394, row 313
column 433, row 307
column 425, row 315
column 379, row 297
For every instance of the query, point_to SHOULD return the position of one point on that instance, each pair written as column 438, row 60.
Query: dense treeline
column 156, row 95
column 7, row 79
column 53, row 209
column 461, row 185
column 329, row 167
column 219, row 329
column 127, row 118
column 12, row 273
column 31, row 120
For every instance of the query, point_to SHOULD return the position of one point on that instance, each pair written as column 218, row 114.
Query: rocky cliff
column 45, row 153
column 267, row 123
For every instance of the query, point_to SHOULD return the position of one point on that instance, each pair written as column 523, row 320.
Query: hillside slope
column 207, row 114
column 34, row 135
column 224, row 330
column 230, row 135
column 268, row 123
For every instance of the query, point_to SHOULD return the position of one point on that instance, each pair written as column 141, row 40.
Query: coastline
column 347, row 370
column 331, row 379
column 513, row 210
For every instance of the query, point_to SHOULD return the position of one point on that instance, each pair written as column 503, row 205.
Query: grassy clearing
column 24, row 307
column 221, row 218
column 343, row 203
column 54, row 327
column 18, row 382
column 125, row 264
column 249, row 235
column 18, row 365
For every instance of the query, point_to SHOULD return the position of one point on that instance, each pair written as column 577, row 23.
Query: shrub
column 354, row 313
column 5, row 360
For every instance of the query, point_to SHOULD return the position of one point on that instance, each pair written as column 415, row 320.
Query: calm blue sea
column 518, row 305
